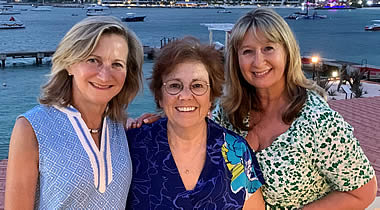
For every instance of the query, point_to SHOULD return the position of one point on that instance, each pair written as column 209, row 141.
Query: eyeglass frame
column 164, row 84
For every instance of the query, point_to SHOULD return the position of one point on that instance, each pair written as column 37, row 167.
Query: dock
column 40, row 55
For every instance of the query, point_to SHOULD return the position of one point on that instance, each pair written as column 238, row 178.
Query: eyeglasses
column 197, row 87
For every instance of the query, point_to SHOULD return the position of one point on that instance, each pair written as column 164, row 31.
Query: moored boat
column 375, row 26
column 97, row 10
column 132, row 17
column 12, row 23
column 42, row 9
column 334, row 7
column 8, row 10
column 223, row 11
column 305, row 15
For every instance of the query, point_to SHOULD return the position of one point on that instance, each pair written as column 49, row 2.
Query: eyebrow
column 193, row 80
column 118, row 60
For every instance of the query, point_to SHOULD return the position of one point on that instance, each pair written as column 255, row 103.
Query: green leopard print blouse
column 316, row 155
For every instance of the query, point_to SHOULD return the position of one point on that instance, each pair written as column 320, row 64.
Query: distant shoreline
column 210, row 6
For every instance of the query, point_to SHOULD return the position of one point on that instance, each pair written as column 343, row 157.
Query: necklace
column 189, row 165
column 94, row 130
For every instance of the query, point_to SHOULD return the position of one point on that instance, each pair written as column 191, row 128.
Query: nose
column 104, row 73
column 258, row 59
column 185, row 93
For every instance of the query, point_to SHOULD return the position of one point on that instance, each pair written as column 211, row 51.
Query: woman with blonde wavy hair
column 71, row 151
column 308, row 154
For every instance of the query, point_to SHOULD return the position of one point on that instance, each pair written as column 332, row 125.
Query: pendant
column 187, row 171
column 93, row 130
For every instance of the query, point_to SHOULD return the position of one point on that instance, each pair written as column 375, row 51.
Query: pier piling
column 2, row 58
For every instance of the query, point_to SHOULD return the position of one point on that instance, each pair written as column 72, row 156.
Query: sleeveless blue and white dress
column 73, row 172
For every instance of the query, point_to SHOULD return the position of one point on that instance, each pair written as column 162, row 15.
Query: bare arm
column 22, row 170
column 255, row 202
column 359, row 198
column 146, row 118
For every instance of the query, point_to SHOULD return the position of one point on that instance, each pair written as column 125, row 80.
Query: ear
column 69, row 70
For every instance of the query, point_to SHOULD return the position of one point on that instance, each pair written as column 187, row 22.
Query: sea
column 341, row 36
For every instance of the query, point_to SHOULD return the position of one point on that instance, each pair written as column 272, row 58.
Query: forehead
column 255, row 36
column 111, row 42
column 188, row 71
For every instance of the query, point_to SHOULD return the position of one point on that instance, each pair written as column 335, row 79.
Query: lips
column 100, row 86
column 261, row 74
column 186, row 108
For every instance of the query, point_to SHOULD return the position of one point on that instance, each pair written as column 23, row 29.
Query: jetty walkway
column 40, row 55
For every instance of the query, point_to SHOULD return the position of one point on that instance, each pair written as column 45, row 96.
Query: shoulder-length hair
column 240, row 97
column 78, row 43
column 188, row 49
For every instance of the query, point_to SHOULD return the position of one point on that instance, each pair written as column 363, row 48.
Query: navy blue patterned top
column 229, row 176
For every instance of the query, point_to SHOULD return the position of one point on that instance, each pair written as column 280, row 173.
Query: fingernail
column 145, row 120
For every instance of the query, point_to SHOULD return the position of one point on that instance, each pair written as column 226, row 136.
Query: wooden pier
column 39, row 55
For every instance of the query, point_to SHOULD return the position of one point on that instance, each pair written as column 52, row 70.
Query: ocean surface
column 341, row 37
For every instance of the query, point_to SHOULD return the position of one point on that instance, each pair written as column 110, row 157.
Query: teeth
column 261, row 73
column 101, row 86
column 186, row 109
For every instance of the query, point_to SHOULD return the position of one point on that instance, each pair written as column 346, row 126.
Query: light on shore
column 314, row 59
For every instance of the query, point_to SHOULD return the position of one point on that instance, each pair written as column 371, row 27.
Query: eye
column 118, row 66
column 175, row 85
column 92, row 60
column 268, row 49
column 197, row 85
column 246, row 52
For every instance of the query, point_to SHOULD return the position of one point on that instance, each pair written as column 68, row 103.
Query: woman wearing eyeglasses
column 185, row 160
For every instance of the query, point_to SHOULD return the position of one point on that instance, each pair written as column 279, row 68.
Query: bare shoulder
column 23, row 139
column 22, row 169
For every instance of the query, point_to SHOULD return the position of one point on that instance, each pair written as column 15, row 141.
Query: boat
column 97, row 10
column 42, row 8
column 305, row 15
column 8, row 10
column 132, row 17
column 375, row 26
column 12, row 23
column 334, row 7
column 223, row 11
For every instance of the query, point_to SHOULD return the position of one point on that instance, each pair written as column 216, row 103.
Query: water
column 341, row 36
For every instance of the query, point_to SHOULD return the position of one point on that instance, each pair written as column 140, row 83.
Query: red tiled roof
column 364, row 115
column 3, row 171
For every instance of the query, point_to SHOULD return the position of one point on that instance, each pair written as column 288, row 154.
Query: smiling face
column 186, row 109
column 100, row 77
column 262, row 62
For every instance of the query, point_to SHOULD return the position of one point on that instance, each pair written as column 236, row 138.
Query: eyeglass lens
column 197, row 87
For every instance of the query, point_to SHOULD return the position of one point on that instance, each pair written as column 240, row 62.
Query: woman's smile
column 100, row 86
column 186, row 108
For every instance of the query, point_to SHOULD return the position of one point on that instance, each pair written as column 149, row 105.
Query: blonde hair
column 78, row 43
column 276, row 30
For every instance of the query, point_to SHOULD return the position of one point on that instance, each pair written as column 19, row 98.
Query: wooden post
column 2, row 58
column 39, row 57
